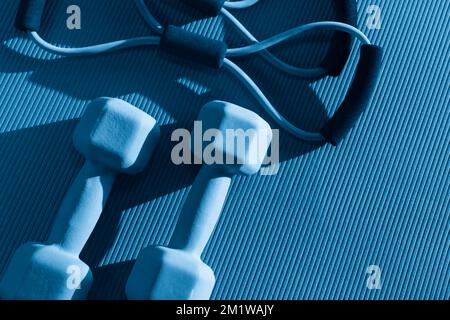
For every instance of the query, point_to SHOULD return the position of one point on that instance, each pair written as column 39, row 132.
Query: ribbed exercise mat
column 312, row 230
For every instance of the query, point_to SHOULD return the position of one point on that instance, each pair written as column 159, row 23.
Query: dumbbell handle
column 81, row 207
column 201, row 211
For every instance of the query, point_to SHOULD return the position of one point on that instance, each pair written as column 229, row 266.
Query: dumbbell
column 177, row 272
column 115, row 137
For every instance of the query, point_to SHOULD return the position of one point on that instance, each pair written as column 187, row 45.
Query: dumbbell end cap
column 167, row 274
column 251, row 136
column 116, row 134
column 39, row 272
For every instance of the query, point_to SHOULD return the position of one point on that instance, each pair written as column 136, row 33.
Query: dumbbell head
column 45, row 272
column 167, row 274
column 252, row 136
column 116, row 134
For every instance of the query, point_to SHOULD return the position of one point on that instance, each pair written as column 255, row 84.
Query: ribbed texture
column 310, row 232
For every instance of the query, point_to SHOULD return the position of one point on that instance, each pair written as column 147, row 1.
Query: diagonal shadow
column 38, row 164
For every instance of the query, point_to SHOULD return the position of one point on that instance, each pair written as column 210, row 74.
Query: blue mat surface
column 309, row 232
